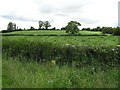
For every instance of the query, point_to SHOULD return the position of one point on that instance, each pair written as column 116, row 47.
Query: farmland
column 50, row 32
column 60, row 61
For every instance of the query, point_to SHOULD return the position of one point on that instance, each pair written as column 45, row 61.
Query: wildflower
column 118, row 45
column 113, row 49
column 66, row 44
column 53, row 62
column 73, row 45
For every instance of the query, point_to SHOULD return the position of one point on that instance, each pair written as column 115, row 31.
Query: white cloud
column 90, row 13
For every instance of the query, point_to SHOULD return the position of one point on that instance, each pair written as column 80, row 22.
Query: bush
column 5, row 31
column 107, row 30
column 116, row 32
column 86, row 29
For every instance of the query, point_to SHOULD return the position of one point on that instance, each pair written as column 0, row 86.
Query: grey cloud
column 88, row 21
column 72, row 8
column 47, row 9
column 61, row 14
column 61, row 10
column 13, row 17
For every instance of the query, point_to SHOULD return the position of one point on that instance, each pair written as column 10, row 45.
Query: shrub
column 116, row 32
column 107, row 30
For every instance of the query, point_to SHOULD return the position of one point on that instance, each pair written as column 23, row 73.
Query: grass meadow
column 60, row 61
column 51, row 32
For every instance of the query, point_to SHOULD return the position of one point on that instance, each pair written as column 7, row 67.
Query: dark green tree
column 41, row 23
column 47, row 24
column 32, row 28
column 72, row 27
column 10, row 26
column 116, row 31
column 14, row 26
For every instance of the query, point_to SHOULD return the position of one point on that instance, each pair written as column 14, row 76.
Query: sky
column 90, row 13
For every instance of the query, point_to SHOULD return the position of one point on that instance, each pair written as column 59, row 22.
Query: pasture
column 50, row 32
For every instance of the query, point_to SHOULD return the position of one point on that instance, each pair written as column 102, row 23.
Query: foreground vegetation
column 31, row 74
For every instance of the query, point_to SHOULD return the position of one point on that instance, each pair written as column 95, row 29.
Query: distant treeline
column 71, row 28
column 105, row 30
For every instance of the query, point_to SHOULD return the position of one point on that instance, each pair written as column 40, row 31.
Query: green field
column 60, row 61
column 75, row 40
column 50, row 32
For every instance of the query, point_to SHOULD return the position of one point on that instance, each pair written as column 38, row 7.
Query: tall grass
column 30, row 74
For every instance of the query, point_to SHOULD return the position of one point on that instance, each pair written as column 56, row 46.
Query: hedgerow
column 62, row 53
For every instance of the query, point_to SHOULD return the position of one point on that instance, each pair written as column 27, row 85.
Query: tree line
column 105, row 30
column 71, row 28
column 42, row 25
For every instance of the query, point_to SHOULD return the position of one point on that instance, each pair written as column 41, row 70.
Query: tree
column 63, row 28
column 53, row 28
column 41, row 23
column 107, row 30
column 47, row 24
column 14, row 26
column 116, row 31
column 86, row 29
column 32, row 28
column 10, row 26
column 98, row 29
column 72, row 27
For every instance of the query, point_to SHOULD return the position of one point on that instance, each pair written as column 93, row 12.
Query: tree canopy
column 11, row 26
column 72, row 27
column 47, row 24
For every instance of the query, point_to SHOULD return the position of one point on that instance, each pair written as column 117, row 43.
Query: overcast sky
column 90, row 13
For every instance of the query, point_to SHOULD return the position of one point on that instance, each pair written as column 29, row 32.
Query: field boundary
column 48, row 35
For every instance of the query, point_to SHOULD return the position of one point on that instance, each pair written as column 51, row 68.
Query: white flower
column 73, row 45
column 66, row 44
column 113, row 49
column 118, row 45
column 53, row 62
